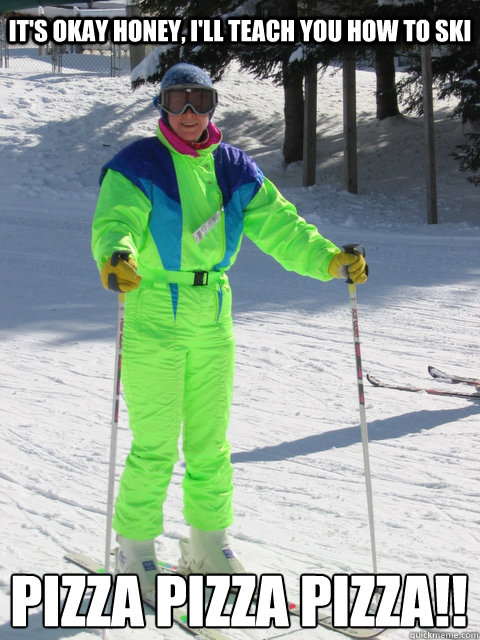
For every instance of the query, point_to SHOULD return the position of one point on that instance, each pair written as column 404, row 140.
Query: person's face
column 188, row 125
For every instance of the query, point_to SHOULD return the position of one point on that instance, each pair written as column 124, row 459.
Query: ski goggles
column 176, row 100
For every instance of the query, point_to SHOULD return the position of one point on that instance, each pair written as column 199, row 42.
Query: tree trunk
column 350, row 150
column 137, row 51
column 310, row 126
column 292, row 149
column 293, row 141
column 387, row 104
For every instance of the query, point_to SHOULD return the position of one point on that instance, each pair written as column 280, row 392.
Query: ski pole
column 114, row 427
column 356, row 248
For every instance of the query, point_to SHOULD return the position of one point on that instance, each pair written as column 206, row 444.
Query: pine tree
column 456, row 73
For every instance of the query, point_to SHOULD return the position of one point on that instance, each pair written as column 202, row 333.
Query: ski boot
column 208, row 552
column 138, row 557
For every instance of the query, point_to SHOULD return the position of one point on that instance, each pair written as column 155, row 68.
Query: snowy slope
column 300, row 496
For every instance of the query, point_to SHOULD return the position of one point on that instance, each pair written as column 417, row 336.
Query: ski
column 323, row 619
column 441, row 375
column 180, row 614
column 436, row 392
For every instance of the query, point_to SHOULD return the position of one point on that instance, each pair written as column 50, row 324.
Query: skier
column 168, row 225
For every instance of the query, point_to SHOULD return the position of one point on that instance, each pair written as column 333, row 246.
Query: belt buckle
column 200, row 278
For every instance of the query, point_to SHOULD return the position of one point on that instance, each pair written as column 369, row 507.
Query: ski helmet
column 187, row 77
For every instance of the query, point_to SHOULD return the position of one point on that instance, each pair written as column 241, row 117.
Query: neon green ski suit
column 181, row 215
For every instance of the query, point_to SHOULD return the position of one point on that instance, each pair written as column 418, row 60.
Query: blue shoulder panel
column 146, row 162
column 239, row 179
column 235, row 169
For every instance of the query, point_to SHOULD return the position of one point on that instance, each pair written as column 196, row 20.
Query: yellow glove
column 349, row 265
column 119, row 273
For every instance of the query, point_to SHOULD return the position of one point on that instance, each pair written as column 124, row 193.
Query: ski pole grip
column 353, row 248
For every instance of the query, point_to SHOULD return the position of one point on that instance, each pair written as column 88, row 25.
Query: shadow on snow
column 378, row 430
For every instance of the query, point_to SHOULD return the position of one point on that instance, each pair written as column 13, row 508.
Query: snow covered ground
column 300, row 493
